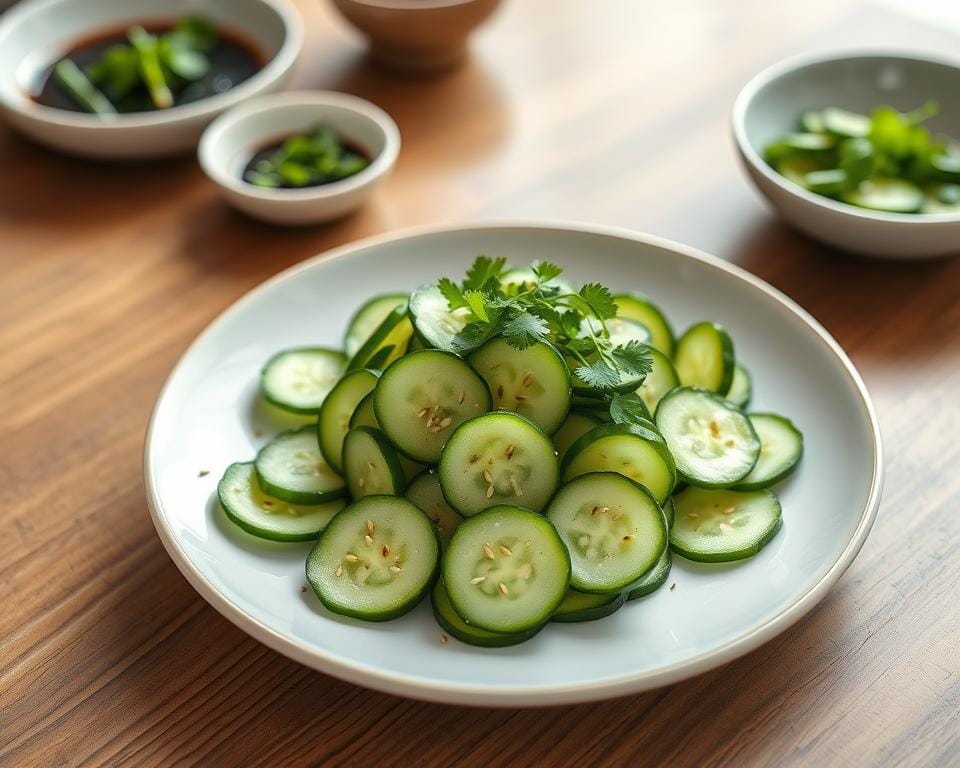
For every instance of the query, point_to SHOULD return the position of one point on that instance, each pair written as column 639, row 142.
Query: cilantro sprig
column 543, row 309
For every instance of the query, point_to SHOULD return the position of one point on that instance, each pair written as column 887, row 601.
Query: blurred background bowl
column 417, row 36
column 233, row 138
column 34, row 33
column 770, row 105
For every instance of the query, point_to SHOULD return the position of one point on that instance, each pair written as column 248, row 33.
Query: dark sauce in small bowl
column 266, row 152
column 232, row 61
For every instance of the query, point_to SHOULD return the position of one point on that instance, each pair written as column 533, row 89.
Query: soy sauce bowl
column 35, row 33
column 770, row 105
column 233, row 138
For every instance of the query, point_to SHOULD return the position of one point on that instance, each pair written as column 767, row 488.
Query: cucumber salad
column 521, row 450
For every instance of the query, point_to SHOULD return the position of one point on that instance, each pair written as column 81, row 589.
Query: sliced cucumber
column 946, row 166
column 452, row 623
column 941, row 198
column 579, row 606
column 424, row 491
column 704, row 357
column 741, row 387
column 386, row 343
column 815, row 145
column 669, row 512
column 498, row 458
column 811, row 121
column 655, row 579
column 613, row 528
column 298, row 380
column 422, row 398
column 533, row 382
column 781, row 446
column 846, row 125
column 829, row 182
column 291, row 468
column 712, row 442
column 622, row 330
column 435, row 322
column 577, row 424
column 630, row 449
column 367, row 319
column 715, row 526
column 366, row 416
column 371, row 465
column 337, row 411
column 885, row 194
column 506, row 570
column 375, row 560
column 796, row 167
column 268, row 517
column 659, row 381
column 518, row 279
column 637, row 307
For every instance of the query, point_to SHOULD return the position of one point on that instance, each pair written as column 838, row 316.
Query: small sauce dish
column 234, row 138
column 770, row 104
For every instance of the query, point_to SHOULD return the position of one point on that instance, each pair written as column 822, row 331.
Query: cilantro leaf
column 483, row 269
column 633, row 358
column 451, row 293
column 525, row 329
column 475, row 300
column 545, row 271
column 628, row 409
column 600, row 300
column 596, row 373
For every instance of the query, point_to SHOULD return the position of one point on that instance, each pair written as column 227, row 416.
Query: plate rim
column 411, row 686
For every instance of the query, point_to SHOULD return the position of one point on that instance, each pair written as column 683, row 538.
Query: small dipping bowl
column 34, row 33
column 232, row 139
column 770, row 106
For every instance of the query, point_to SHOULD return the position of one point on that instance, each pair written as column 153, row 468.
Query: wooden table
column 617, row 113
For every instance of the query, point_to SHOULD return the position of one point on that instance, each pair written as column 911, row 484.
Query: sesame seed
column 478, row 580
column 714, row 428
column 729, row 510
column 517, row 488
column 443, row 639
column 446, row 422
column 385, row 551
column 371, row 465
column 423, row 412
column 628, row 537
column 594, row 510
column 203, row 473
column 503, row 588
column 693, row 515
column 303, row 588
column 370, row 527
column 527, row 380
column 339, row 571
column 368, row 539
column 500, row 392
column 395, row 569
column 521, row 398
column 350, row 557
column 673, row 586
column 487, row 476
column 460, row 396
column 267, row 503
column 488, row 552
column 506, row 550
column 489, row 491
column 361, row 482
column 509, row 451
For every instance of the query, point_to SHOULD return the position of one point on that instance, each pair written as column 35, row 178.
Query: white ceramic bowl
column 770, row 104
column 230, row 141
column 210, row 414
column 35, row 32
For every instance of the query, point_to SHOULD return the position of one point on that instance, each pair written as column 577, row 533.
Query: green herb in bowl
column 320, row 156
column 887, row 161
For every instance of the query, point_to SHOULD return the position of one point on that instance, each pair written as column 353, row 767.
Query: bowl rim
column 410, row 686
column 275, row 68
column 791, row 64
column 367, row 110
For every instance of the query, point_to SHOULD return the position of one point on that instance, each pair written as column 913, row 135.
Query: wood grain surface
column 613, row 112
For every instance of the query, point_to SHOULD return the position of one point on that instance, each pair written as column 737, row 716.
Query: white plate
column 209, row 415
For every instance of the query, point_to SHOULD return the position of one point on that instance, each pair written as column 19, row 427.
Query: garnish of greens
column 159, row 65
column 542, row 311
column 887, row 161
column 306, row 160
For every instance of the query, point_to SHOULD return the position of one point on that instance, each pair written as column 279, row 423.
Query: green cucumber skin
column 657, row 578
column 389, row 453
column 656, row 312
column 592, row 614
column 728, row 358
column 338, row 466
column 367, row 356
column 486, row 640
column 400, row 298
column 285, row 406
column 296, row 497
column 788, row 469
column 742, row 554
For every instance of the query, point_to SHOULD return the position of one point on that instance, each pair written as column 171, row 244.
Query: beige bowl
column 417, row 35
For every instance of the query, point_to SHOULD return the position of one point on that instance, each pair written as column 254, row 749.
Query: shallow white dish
column 230, row 141
column 209, row 414
column 770, row 105
column 35, row 32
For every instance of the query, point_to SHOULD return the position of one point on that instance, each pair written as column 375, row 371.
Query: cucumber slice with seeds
column 452, row 623
column 716, row 526
column 421, row 399
column 637, row 307
column 424, row 491
column 781, row 446
column 506, row 570
column 655, row 579
column 659, row 381
column 886, row 194
column 298, row 380
column 712, row 442
column 704, row 357
column 629, row 449
column 533, row 382
column 580, row 606
column 498, row 458
column 337, row 411
column 365, row 416
column 375, row 560
column 741, row 387
column 613, row 528
column 387, row 343
column 435, row 322
column 577, row 424
column 247, row 506
column 291, row 468
column 367, row 319
column 371, row 465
